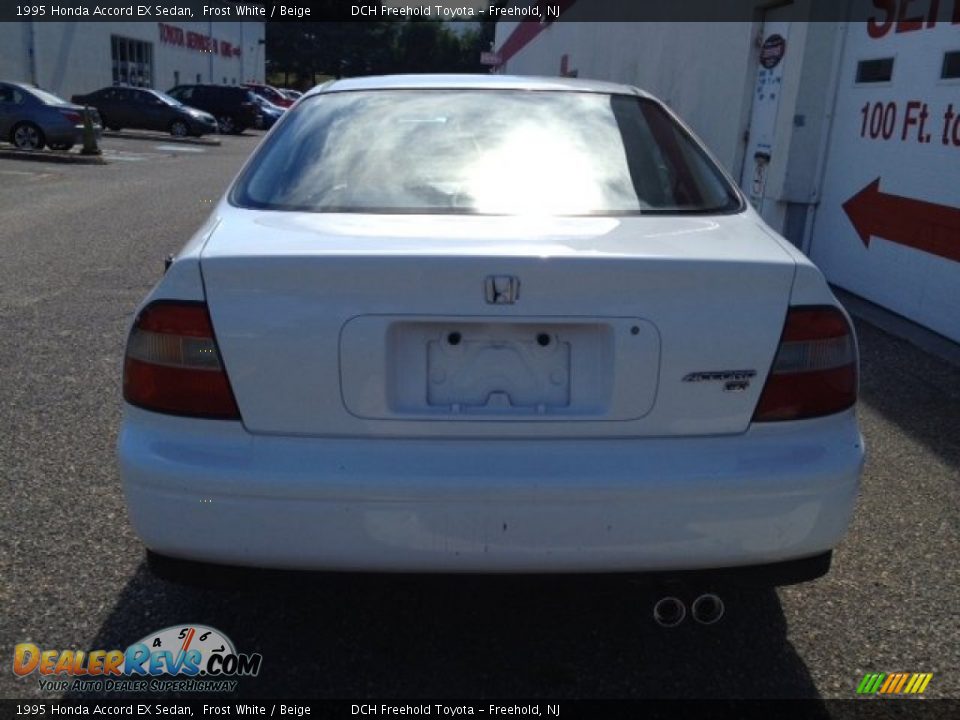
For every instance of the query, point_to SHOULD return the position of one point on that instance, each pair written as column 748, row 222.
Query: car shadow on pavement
column 404, row 636
column 916, row 391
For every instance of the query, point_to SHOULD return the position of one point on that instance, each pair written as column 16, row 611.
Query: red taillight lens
column 73, row 116
column 173, row 366
column 815, row 371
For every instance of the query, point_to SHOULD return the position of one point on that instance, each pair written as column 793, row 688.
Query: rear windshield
column 166, row 98
column 482, row 152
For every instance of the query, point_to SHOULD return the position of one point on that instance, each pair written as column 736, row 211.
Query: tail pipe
column 669, row 612
column 707, row 609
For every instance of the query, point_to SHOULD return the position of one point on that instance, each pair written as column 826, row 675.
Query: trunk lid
column 459, row 326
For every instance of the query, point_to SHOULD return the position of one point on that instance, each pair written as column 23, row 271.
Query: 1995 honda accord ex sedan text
column 489, row 324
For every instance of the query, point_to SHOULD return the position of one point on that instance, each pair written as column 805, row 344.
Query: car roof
column 473, row 82
column 22, row 85
column 32, row 89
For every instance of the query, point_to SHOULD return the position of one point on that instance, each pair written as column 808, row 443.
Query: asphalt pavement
column 81, row 245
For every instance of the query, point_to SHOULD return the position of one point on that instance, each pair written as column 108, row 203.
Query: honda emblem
column 502, row 289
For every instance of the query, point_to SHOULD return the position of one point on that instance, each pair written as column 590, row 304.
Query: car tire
column 180, row 129
column 27, row 136
column 226, row 124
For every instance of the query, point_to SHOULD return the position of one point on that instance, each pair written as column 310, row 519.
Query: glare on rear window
column 482, row 152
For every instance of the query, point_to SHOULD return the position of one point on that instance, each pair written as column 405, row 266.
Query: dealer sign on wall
column 888, row 226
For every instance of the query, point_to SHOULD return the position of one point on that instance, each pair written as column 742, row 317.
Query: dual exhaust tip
column 671, row 611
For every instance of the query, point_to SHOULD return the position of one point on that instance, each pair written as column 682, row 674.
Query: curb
column 157, row 137
column 54, row 156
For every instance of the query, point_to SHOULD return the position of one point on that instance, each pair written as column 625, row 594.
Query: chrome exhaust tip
column 707, row 609
column 669, row 612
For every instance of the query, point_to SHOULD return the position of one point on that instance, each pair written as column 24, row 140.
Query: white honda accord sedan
column 490, row 324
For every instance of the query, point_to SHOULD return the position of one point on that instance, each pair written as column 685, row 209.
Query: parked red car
column 270, row 93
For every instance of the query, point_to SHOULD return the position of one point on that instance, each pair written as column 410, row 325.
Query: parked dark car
column 269, row 112
column 146, row 109
column 270, row 93
column 31, row 118
column 234, row 107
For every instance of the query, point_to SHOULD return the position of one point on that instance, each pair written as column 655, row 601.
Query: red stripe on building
column 524, row 33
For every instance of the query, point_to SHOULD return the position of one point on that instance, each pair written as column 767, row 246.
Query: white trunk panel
column 333, row 325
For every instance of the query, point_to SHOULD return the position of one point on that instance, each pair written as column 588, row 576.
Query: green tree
column 344, row 49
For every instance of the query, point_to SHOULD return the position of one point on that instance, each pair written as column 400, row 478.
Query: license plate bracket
column 498, row 368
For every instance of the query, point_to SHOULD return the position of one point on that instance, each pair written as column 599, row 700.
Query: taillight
column 815, row 370
column 73, row 116
column 173, row 365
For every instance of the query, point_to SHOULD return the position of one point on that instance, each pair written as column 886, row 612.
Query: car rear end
column 198, row 121
column 269, row 113
column 61, row 122
column 246, row 107
column 64, row 124
column 483, row 326
column 270, row 94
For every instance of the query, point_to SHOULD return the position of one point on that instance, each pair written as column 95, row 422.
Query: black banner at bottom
column 368, row 709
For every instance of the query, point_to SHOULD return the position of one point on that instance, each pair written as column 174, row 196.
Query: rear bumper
column 786, row 572
column 69, row 134
column 210, row 491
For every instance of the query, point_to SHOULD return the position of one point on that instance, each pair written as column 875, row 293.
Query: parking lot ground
column 68, row 157
column 81, row 245
column 148, row 136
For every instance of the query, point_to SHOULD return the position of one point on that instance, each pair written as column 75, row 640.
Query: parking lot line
column 179, row 148
column 26, row 173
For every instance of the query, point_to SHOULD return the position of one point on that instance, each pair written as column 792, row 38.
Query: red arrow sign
column 922, row 225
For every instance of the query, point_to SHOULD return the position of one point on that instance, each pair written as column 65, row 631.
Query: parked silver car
column 32, row 118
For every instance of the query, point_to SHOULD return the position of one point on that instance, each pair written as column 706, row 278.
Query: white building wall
column 904, row 133
column 75, row 57
column 14, row 58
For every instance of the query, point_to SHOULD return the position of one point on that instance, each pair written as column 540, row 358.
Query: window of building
column 875, row 71
column 951, row 65
column 132, row 61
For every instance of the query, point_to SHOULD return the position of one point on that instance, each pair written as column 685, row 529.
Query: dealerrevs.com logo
column 181, row 658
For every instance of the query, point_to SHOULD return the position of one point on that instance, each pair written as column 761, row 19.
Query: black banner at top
column 451, row 709
column 909, row 12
